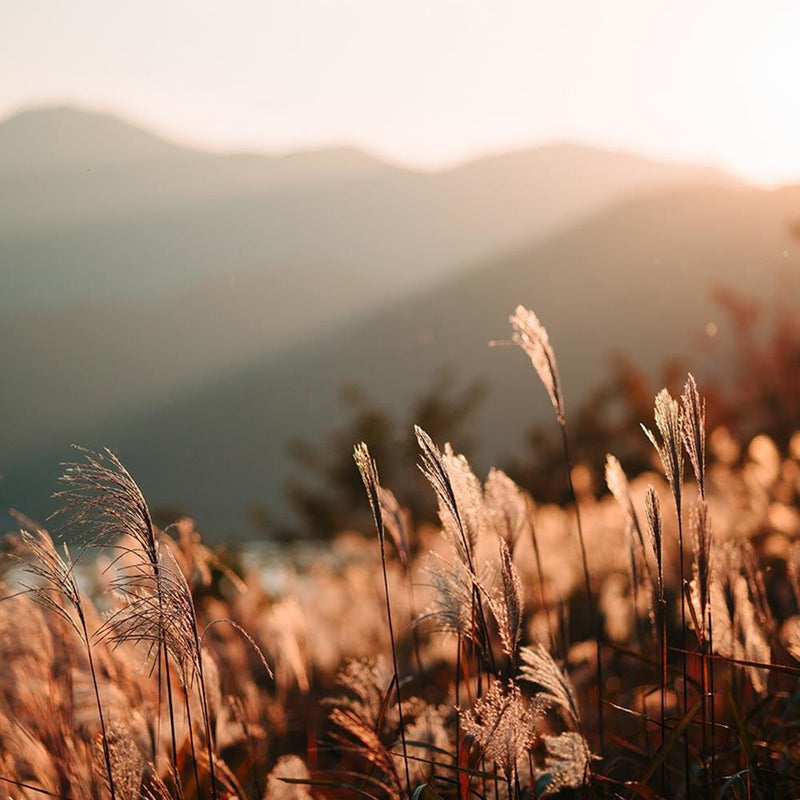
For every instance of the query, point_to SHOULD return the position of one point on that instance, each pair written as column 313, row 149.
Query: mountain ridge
column 39, row 122
column 645, row 265
column 129, row 281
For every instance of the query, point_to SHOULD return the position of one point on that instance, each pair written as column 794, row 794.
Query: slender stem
column 202, row 691
column 415, row 640
column 704, row 717
column 414, row 636
column 476, row 595
column 191, row 738
column 178, row 786
column 640, row 634
column 160, row 704
column 712, row 700
column 640, row 630
column 151, row 551
column 587, row 581
column 662, row 612
column 106, row 750
column 206, row 720
column 394, row 662
column 458, row 698
column 540, row 577
column 684, row 672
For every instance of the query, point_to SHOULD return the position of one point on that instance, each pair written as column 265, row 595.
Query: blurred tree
column 328, row 494
column 754, row 387
column 763, row 394
column 607, row 421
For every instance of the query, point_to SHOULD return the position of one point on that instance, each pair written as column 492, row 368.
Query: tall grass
column 464, row 660
column 532, row 337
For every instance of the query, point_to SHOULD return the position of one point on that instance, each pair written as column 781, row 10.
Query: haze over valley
column 195, row 310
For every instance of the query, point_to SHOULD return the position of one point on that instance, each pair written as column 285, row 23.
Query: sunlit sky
column 426, row 82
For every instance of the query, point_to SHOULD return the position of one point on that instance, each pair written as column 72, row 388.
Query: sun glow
column 429, row 83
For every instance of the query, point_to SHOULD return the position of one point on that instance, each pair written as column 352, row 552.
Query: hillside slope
column 134, row 269
column 634, row 278
column 93, row 207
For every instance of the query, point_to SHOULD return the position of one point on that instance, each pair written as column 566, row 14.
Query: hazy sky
column 427, row 81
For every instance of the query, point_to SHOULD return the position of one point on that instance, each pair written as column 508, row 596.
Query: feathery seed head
column 531, row 336
column 539, row 668
column 670, row 449
column 158, row 612
column 618, row 485
column 468, row 493
column 507, row 608
column 507, row 507
column 566, row 763
column 437, row 469
column 127, row 763
column 364, row 683
column 451, row 609
column 752, row 640
column 654, row 530
column 369, row 474
column 701, row 536
column 503, row 724
column 396, row 522
column 56, row 588
column 103, row 503
column 694, row 430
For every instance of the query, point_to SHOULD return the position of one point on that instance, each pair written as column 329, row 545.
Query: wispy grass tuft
column 369, row 474
column 532, row 337
column 57, row 590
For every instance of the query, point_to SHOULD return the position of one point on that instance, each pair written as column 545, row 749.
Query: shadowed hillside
column 62, row 139
column 91, row 206
column 134, row 269
column 639, row 272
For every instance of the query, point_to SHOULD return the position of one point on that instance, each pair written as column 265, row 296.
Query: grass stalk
column 206, row 718
column 712, row 700
column 540, row 580
column 96, row 688
column 394, row 664
column 683, row 655
column 369, row 474
column 593, row 610
column 662, row 613
column 189, row 725
column 171, row 710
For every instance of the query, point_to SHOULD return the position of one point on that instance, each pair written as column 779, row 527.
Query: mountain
column 634, row 278
column 61, row 139
column 92, row 207
column 135, row 269
column 64, row 139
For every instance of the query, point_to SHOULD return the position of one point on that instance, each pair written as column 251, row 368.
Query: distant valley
column 196, row 310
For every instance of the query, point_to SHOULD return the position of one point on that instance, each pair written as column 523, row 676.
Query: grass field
column 643, row 642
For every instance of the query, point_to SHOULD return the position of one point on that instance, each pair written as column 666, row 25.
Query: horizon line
column 423, row 165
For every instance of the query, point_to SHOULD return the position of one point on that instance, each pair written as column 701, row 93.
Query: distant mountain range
column 196, row 310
